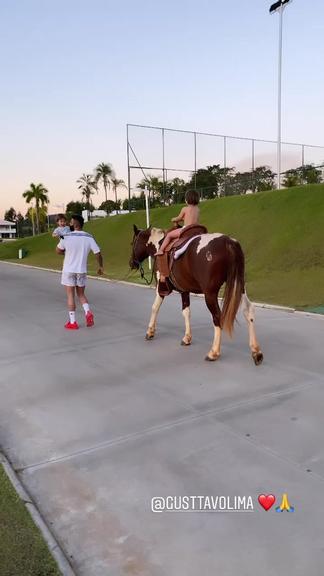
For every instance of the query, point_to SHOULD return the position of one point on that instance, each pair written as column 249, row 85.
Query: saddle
column 165, row 261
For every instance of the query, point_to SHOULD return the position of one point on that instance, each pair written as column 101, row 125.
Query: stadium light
column 279, row 7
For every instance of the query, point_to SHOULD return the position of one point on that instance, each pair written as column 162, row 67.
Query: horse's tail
column 234, row 285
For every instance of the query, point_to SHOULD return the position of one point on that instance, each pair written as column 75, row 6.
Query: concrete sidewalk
column 97, row 422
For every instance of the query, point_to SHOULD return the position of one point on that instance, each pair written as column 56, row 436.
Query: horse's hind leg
column 214, row 309
column 186, row 340
column 150, row 333
column 248, row 311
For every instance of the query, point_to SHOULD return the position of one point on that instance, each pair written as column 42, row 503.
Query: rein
column 140, row 265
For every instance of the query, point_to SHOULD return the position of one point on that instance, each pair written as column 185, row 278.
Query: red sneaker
column 71, row 326
column 89, row 319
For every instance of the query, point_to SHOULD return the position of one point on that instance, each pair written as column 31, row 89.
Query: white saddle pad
column 182, row 250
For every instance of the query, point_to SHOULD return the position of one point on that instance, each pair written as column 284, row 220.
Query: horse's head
column 145, row 243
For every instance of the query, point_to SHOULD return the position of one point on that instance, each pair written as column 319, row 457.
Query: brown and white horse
column 209, row 261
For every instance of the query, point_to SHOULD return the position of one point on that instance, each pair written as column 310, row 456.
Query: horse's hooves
column 209, row 359
column 184, row 343
column 149, row 336
column 258, row 358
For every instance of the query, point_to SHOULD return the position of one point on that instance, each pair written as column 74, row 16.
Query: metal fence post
column 225, row 161
column 253, row 166
column 195, row 159
column 128, row 171
column 163, row 165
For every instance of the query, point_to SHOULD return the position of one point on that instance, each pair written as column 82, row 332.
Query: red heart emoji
column 266, row 501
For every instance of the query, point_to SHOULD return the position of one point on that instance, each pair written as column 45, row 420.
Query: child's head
column 61, row 220
column 192, row 197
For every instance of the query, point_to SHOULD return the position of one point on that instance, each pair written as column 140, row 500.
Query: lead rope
column 142, row 272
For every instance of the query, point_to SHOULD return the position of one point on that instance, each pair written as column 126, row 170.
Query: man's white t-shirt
column 77, row 246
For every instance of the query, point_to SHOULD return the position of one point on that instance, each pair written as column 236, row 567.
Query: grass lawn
column 23, row 551
column 281, row 233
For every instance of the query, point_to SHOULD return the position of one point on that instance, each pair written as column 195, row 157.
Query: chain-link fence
column 228, row 184
column 170, row 162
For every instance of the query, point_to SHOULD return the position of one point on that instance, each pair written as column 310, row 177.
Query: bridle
column 140, row 265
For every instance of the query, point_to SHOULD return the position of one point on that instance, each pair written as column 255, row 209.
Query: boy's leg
column 170, row 236
column 85, row 305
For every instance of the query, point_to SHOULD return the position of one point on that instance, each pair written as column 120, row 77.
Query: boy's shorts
column 73, row 279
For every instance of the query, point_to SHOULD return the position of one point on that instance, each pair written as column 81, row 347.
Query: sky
column 75, row 72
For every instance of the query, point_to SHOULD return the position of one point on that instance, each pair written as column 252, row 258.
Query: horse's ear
column 136, row 230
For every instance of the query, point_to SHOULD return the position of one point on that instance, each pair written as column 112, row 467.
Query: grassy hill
column 281, row 232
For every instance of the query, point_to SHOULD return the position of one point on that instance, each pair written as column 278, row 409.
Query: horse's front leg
column 186, row 340
column 214, row 309
column 150, row 333
column 248, row 311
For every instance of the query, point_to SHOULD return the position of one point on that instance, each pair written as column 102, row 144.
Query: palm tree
column 87, row 185
column 39, row 193
column 154, row 185
column 104, row 173
column 116, row 183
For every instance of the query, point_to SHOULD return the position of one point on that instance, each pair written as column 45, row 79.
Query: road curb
column 53, row 546
column 125, row 282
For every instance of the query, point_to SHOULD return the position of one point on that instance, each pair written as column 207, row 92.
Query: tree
column 211, row 181
column 10, row 215
column 39, row 194
column 87, row 185
column 263, row 179
column 19, row 224
column 74, row 208
column 104, row 173
column 116, row 183
column 291, row 178
column 310, row 175
column 307, row 174
column 154, row 185
column 42, row 217
column 176, row 190
column 136, row 202
column 240, row 183
column 110, row 206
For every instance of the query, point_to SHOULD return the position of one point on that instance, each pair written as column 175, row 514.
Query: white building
column 7, row 230
column 93, row 214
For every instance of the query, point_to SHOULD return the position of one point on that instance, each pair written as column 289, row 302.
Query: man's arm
column 100, row 263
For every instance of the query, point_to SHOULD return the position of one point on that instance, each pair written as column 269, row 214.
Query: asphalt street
column 99, row 421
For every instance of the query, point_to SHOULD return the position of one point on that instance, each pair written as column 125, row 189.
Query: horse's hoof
column 257, row 357
column 185, row 343
column 149, row 336
column 209, row 359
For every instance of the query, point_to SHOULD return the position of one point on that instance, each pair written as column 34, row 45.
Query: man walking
column 76, row 246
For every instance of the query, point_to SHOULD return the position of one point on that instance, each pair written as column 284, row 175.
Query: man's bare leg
column 85, row 305
column 70, row 294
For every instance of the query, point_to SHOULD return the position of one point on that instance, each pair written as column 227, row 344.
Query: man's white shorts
column 72, row 279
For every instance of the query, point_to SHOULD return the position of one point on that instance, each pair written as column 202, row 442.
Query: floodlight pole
column 279, row 6
column 281, row 9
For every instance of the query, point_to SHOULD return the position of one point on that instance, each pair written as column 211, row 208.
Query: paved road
column 97, row 422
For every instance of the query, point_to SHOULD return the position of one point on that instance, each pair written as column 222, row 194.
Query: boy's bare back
column 190, row 215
